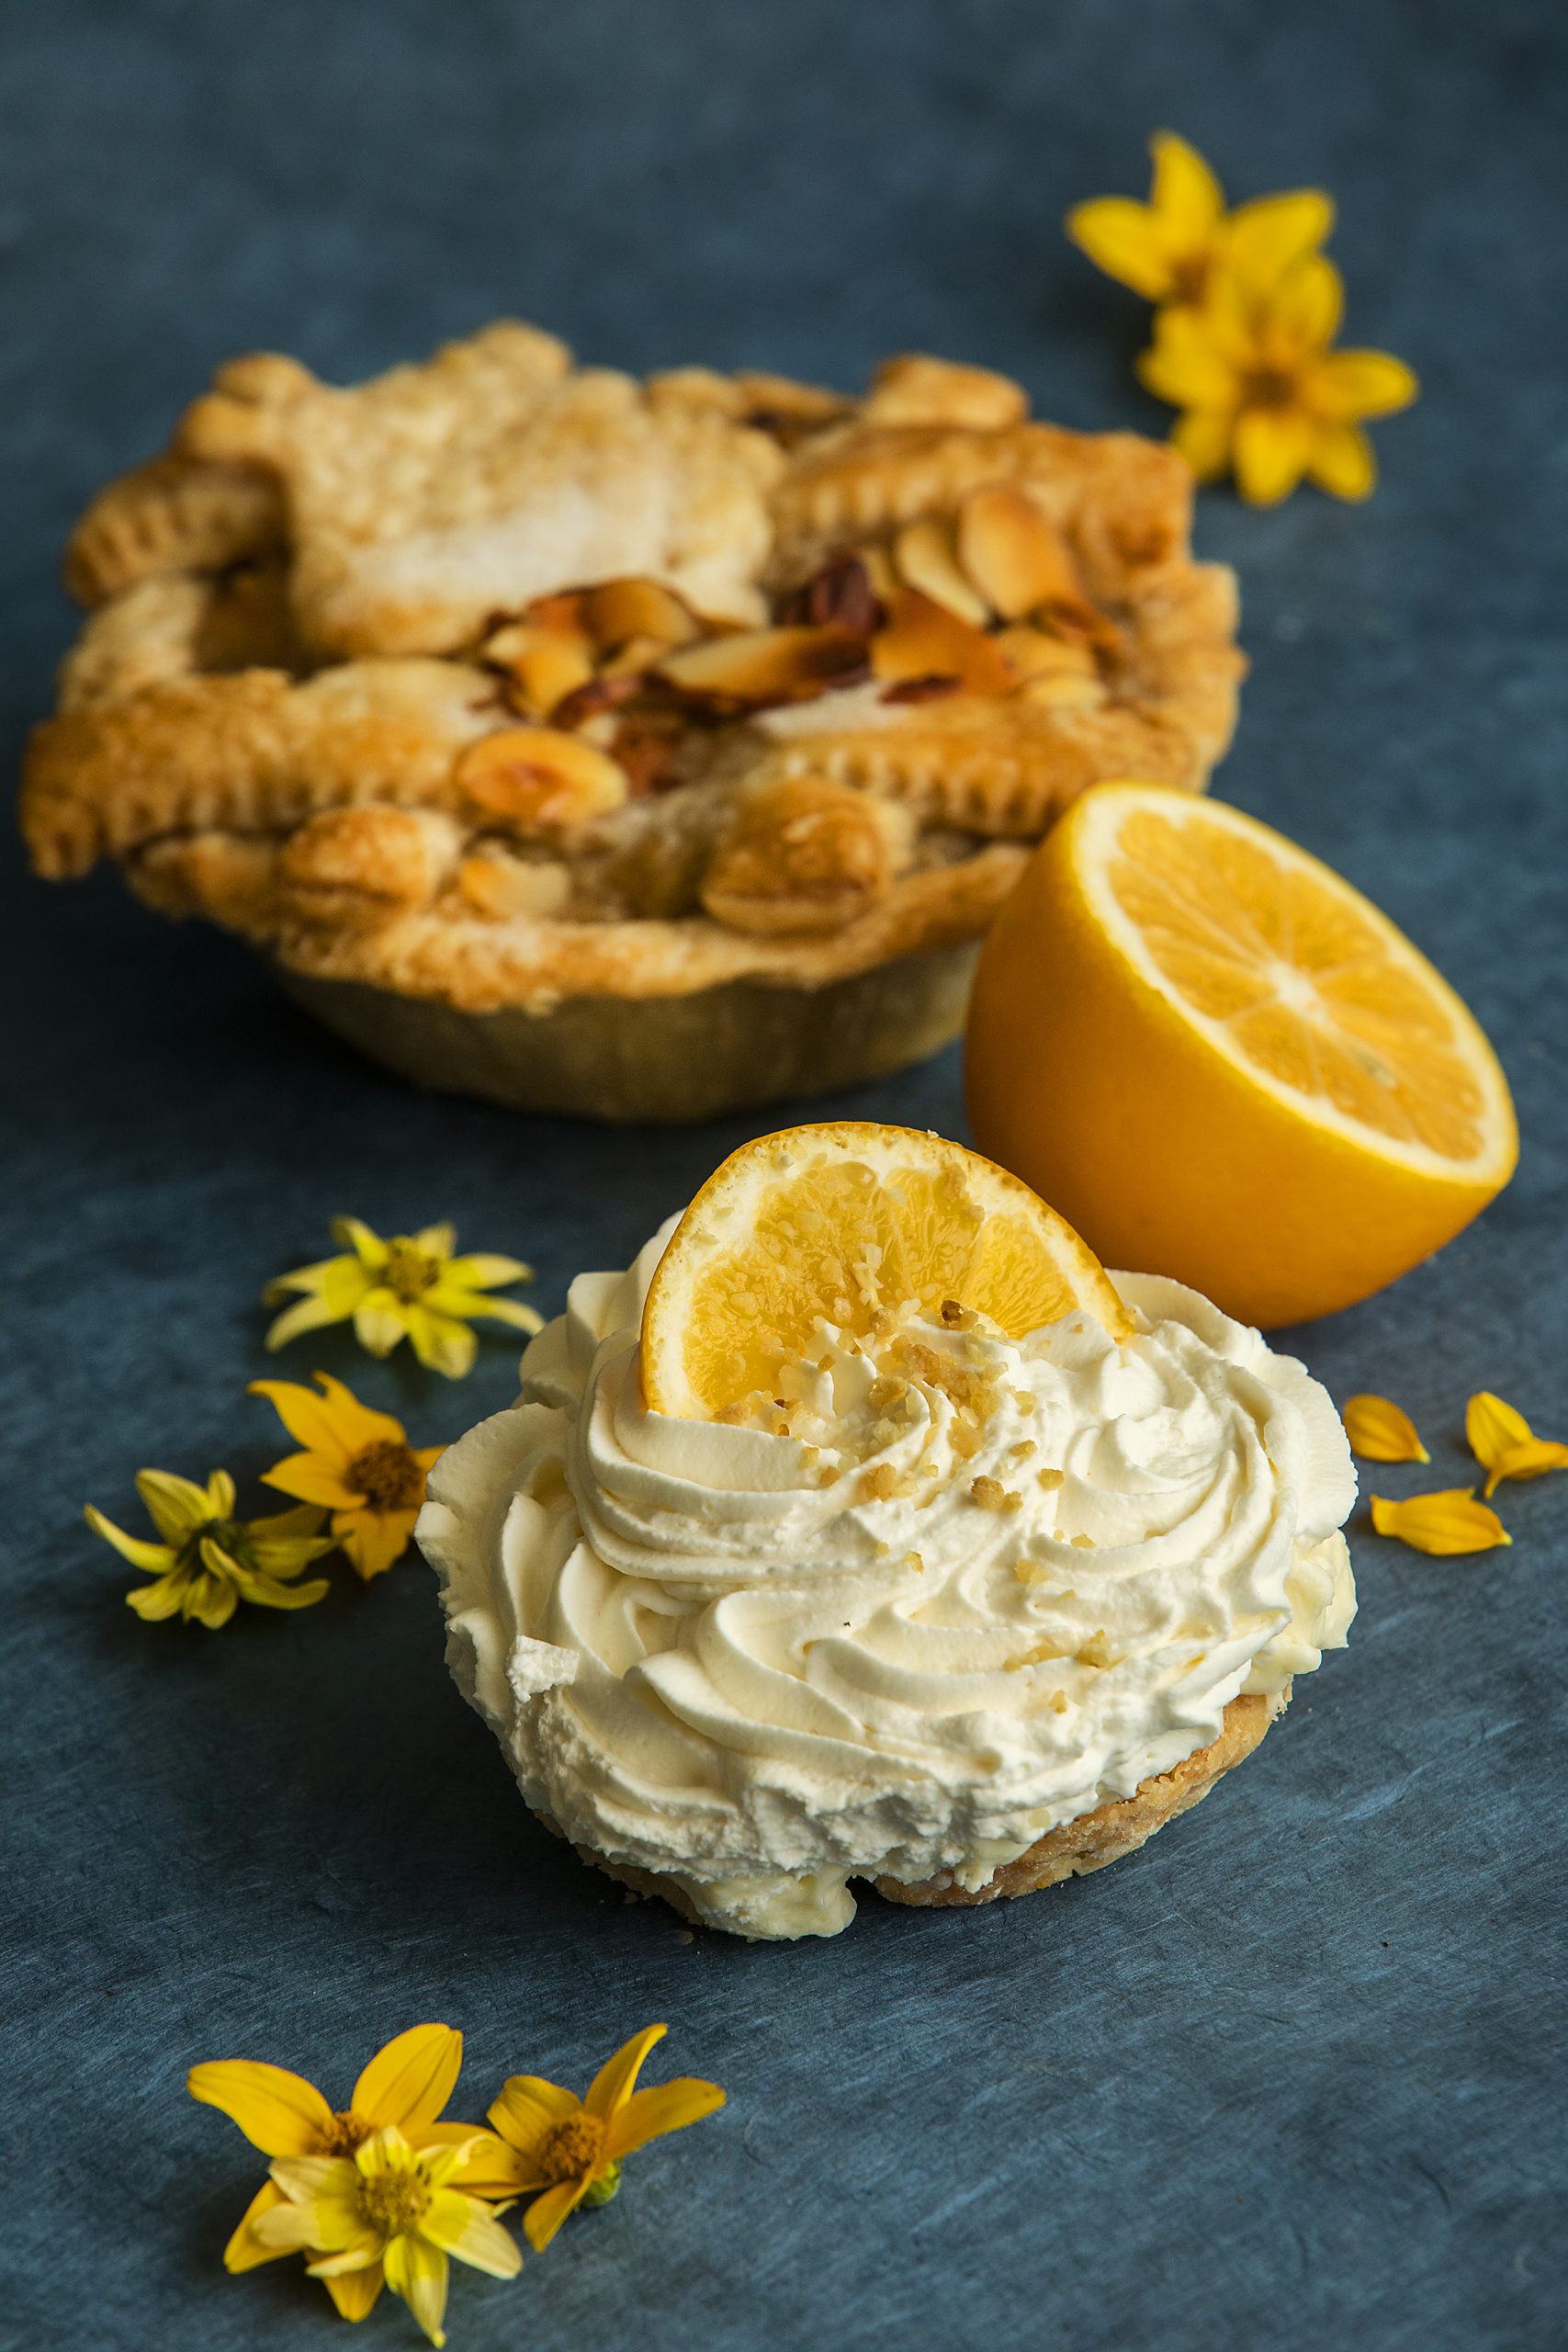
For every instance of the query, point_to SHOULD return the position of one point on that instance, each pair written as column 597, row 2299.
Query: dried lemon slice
column 1270, row 1093
column 837, row 1225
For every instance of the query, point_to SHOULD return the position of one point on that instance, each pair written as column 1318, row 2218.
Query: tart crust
column 308, row 700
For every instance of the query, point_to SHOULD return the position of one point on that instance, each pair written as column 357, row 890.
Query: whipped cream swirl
column 962, row 1589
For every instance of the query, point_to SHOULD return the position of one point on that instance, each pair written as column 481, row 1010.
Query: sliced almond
column 805, row 855
column 1016, row 558
column 926, row 557
column 1029, row 653
column 766, row 665
column 502, row 889
column 538, row 778
column 635, row 658
column 914, row 389
column 546, row 664
column 617, row 610
column 924, row 640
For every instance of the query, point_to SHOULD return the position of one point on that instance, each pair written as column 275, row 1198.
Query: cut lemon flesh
column 837, row 1225
column 1226, row 1064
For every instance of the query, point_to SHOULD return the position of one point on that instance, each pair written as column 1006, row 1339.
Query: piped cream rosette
column 740, row 1667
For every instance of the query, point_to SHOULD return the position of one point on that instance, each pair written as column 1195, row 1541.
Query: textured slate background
column 1290, row 2076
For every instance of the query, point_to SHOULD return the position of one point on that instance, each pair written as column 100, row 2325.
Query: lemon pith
column 1225, row 1064
column 839, row 1223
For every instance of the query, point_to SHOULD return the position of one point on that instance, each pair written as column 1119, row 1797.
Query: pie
column 628, row 749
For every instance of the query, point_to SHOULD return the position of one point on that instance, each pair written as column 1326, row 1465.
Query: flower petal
column 668, row 2106
column 470, row 2231
column 210, row 1600
column 1124, row 240
column 450, row 1298
column 374, row 1541
column 1444, row 1523
column 355, row 2292
column 156, row 1559
column 529, row 2108
column 268, row 1594
column 286, row 1528
column 305, row 2179
column 280, row 2112
column 1203, row 437
column 164, row 1598
column 491, row 2168
column 1186, row 365
column 1342, row 462
column 368, row 1246
column 484, row 1269
column 1185, row 192
column 1491, row 1427
column 439, row 1342
column 613, row 2085
column 305, row 1417
column 1264, row 237
column 546, row 2213
column 176, row 1506
column 362, row 2253
column 379, row 1321
column 1349, row 384
column 313, row 1480
column 410, row 2081
column 286, row 2229
column 244, row 2249
column 1533, row 1459
column 419, row 2273
column 434, row 1240
column 1272, row 450
column 1380, row 1431
column 310, row 1315
column 1303, row 310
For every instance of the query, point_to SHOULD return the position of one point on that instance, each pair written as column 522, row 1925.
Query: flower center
column 392, row 2203
column 1268, row 387
column 408, row 1271
column 573, row 2148
column 388, row 1477
column 348, row 2132
column 1188, row 276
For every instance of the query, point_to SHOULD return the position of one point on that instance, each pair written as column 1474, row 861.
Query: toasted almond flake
column 1031, row 655
column 923, row 640
column 1380, row 1431
column 1016, row 558
column 1448, row 1522
column 536, row 777
column 926, row 558
column 764, row 666
column 618, row 610
column 505, row 888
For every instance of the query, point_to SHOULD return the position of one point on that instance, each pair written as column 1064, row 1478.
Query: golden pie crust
column 496, row 685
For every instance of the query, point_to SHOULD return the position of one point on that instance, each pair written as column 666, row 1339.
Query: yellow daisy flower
column 358, row 1463
column 208, row 1561
column 573, row 2148
column 1505, row 1445
column 1444, row 1524
column 1262, row 392
column 408, row 1287
column 1167, row 248
column 404, row 2089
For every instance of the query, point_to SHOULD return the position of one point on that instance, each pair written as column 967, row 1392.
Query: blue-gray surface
column 1293, row 2073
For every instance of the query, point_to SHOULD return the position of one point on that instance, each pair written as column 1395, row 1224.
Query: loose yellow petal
column 1342, row 462
column 546, row 2213
column 613, row 2085
column 410, row 2081
column 280, row 2112
column 1533, row 1459
column 1448, row 1522
column 1378, row 1432
column 668, row 2106
column 1123, row 239
column 1492, row 1429
column 244, row 2249
column 1272, row 448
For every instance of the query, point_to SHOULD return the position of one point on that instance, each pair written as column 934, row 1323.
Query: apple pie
column 632, row 750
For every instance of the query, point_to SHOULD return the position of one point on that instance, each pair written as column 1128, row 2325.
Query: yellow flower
column 387, row 2213
column 571, row 2148
column 1503, row 1443
column 410, row 1286
column 1451, row 1521
column 403, row 2088
column 209, row 1560
column 1167, row 248
column 1377, row 1429
column 1261, row 390
column 358, row 1463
